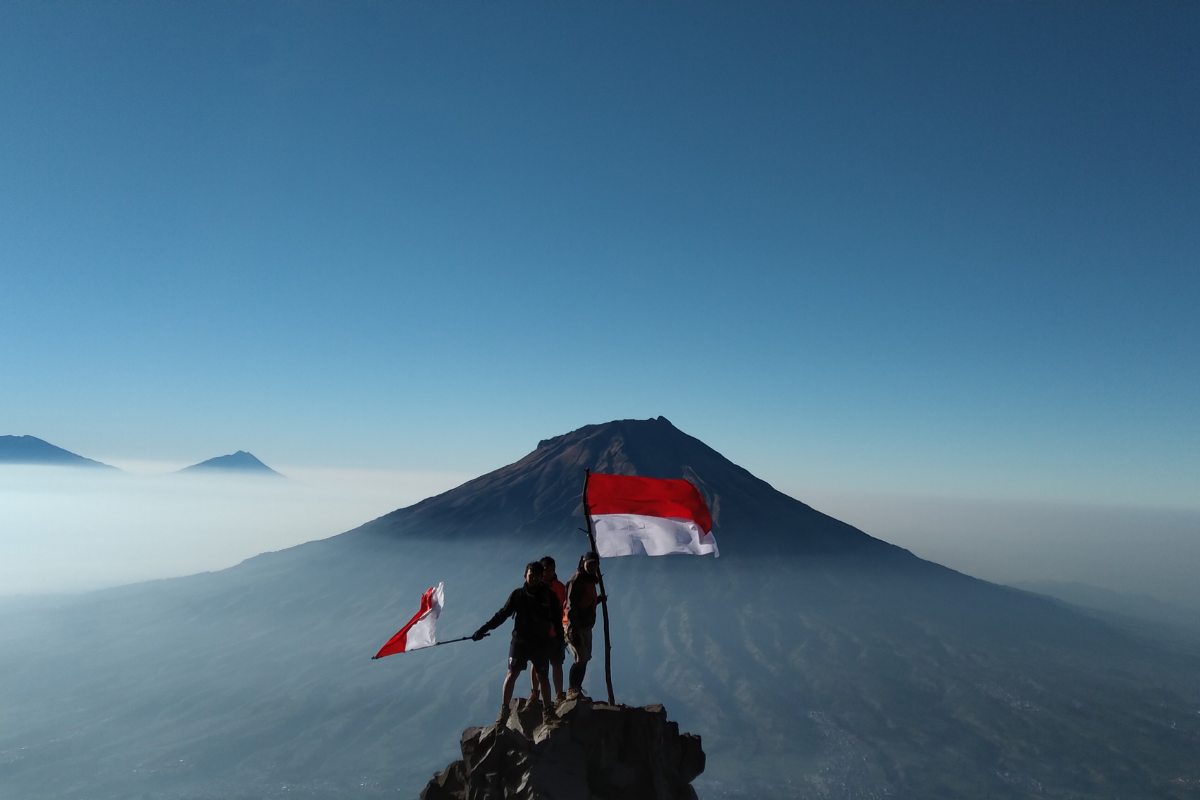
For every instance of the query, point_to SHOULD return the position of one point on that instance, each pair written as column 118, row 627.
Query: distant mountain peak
column 32, row 450
column 241, row 461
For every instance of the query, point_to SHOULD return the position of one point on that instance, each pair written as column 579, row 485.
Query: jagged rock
column 593, row 751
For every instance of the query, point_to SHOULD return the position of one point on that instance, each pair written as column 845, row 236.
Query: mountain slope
column 32, row 450
column 538, row 497
column 827, row 672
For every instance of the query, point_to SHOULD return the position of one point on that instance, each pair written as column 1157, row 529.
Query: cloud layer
column 64, row 530
column 1125, row 549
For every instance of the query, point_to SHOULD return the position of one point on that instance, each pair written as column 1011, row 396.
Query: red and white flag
column 648, row 516
column 421, row 630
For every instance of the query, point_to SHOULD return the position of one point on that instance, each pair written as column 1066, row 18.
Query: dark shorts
column 581, row 645
column 556, row 651
column 521, row 654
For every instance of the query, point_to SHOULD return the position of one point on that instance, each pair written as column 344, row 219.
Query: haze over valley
column 69, row 530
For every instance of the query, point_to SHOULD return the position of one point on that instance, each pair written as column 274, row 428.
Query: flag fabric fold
column 632, row 515
column 421, row 630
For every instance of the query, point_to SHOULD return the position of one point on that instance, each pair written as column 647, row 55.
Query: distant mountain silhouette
column 241, row 461
column 539, row 496
column 32, row 450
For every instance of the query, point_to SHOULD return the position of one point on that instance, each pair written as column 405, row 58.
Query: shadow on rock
column 592, row 751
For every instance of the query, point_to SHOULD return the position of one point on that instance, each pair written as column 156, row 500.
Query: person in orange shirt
column 581, row 618
column 556, row 648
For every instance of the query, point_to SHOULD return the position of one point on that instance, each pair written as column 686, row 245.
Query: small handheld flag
column 648, row 516
column 421, row 630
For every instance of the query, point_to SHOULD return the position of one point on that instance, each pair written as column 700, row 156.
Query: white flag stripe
column 637, row 534
column 423, row 632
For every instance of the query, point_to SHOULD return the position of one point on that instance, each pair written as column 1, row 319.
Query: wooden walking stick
column 587, row 515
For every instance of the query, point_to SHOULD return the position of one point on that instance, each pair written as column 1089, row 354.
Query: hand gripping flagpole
column 587, row 515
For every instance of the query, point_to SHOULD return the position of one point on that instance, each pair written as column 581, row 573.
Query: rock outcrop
column 593, row 751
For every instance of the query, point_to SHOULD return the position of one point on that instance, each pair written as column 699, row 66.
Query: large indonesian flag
column 648, row 516
column 421, row 630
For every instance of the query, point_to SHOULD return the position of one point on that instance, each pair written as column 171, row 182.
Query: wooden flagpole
column 587, row 515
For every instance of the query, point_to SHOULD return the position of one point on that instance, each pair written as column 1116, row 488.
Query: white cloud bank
column 66, row 530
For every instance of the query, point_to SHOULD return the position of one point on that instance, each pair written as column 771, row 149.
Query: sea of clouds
column 70, row 529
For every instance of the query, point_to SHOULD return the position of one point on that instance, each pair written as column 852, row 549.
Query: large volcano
column 538, row 497
column 814, row 660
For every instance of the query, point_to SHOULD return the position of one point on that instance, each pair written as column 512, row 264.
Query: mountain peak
column 638, row 426
column 539, row 495
column 241, row 461
column 32, row 450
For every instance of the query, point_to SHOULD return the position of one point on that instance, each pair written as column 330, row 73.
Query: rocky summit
column 592, row 751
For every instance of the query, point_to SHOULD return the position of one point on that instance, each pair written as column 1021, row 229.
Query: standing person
column 534, row 615
column 556, row 648
column 581, row 617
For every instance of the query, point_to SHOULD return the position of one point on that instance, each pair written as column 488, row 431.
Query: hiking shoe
column 502, row 717
column 560, row 697
column 573, row 693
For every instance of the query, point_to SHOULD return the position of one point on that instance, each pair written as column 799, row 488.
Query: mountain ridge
column 32, row 450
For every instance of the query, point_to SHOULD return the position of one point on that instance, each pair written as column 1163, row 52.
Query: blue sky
column 919, row 248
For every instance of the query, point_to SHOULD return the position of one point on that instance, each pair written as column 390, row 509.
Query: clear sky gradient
column 949, row 249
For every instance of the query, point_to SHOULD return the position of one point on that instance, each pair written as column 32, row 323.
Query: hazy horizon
column 65, row 529
column 68, row 529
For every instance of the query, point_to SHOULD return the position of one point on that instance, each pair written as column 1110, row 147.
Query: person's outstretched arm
column 497, row 619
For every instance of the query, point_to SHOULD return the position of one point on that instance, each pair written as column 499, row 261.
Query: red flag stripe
column 398, row 642
column 651, row 497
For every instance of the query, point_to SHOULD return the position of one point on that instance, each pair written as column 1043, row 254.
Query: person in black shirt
column 556, row 648
column 535, row 613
